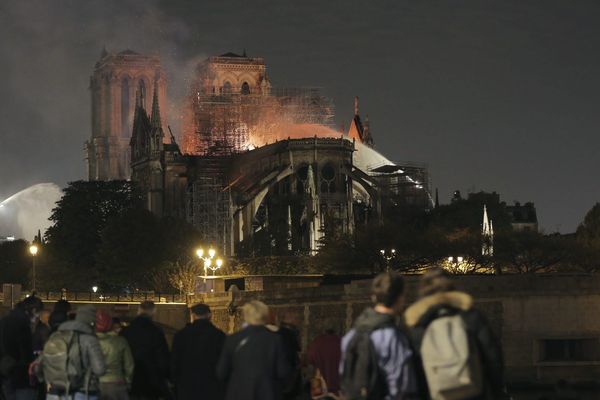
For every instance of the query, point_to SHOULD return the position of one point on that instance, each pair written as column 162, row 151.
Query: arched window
column 125, row 132
column 328, row 179
column 142, row 90
column 245, row 88
column 227, row 88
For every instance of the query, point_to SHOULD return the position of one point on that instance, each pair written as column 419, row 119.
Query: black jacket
column 151, row 357
column 17, row 343
column 420, row 314
column 253, row 364
column 195, row 353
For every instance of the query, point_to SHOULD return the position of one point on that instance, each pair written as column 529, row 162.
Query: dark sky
column 493, row 95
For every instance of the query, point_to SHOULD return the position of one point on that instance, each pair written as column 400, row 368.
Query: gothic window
column 125, row 131
column 301, row 176
column 245, row 88
column 328, row 179
column 142, row 93
column 226, row 88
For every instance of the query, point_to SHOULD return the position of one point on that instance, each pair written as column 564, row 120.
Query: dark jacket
column 151, row 357
column 420, row 314
column 253, row 365
column 17, row 344
column 195, row 353
column 325, row 354
column 91, row 353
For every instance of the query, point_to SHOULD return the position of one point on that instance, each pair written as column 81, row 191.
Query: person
column 253, row 362
column 16, row 349
column 116, row 380
column 41, row 332
column 324, row 355
column 195, row 353
column 377, row 338
column 439, row 299
column 78, row 336
column 117, row 326
column 150, row 354
column 59, row 314
column 293, row 386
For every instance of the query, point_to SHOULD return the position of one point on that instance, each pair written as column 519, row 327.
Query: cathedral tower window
column 226, row 88
column 125, row 131
column 245, row 88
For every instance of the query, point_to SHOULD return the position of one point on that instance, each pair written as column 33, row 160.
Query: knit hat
column 104, row 322
column 86, row 314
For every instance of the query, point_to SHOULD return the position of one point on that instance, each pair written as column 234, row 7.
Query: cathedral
column 260, row 169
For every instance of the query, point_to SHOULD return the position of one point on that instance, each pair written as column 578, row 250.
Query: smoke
column 26, row 212
column 49, row 50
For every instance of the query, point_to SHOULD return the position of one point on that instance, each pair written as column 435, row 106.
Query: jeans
column 113, row 391
column 76, row 396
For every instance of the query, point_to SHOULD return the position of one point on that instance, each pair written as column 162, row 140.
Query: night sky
column 493, row 95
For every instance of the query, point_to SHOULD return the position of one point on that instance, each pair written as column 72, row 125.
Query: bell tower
column 113, row 86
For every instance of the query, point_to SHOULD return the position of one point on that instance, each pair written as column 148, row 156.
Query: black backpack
column 362, row 378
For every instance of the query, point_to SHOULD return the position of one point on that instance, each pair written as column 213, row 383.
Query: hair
column 256, row 313
column 147, row 306
column 200, row 310
column 435, row 280
column 387, row 288
column 62, row 306
column 31, row 304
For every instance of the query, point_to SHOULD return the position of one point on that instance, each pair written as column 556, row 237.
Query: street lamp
column 208, row 260
column 33, row 249
column 387, row 256
column 94, row 289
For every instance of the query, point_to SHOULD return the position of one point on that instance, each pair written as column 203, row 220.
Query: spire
column 104, row 53
column 487, row 235
column 155, row 117
column 355, row 106
column 244, row 53
column 437, row 198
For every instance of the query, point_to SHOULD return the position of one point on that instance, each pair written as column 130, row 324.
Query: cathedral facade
column 260, row 169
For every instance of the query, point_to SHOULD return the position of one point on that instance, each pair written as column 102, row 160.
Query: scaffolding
column 209, row 207
column 229, row 123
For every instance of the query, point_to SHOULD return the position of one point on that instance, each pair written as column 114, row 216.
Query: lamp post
column 208, row 260
column 33, row 249
column 457, row 263
column 388, row 256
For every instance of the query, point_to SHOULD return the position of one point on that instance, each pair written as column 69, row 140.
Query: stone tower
column 113, row 86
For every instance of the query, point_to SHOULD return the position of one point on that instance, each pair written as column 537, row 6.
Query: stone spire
column 487, row 235
column 155, row 117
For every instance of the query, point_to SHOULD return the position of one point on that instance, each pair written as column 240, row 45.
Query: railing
column 112, row 297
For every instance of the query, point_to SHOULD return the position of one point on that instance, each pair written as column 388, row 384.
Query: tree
column 589, row 229
column 78, row 220
column 15, row 262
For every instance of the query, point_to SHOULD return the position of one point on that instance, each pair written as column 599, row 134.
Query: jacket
column 324, row 353
column 394, row 352
column 420, row 314
column 195, row 353
column 17, row 344
column 151, row 356
column 89, row 347
column 118, row 358
column 253, row 364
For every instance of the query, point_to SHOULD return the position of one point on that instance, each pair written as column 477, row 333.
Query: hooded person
column 115, row 382
column 253, row 363
column 461, row 328
column 16, row 348
column 79, row 337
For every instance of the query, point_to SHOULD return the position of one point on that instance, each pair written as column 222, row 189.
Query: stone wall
column 523, row 310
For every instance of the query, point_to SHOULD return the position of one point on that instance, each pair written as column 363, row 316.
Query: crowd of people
column 440, row 347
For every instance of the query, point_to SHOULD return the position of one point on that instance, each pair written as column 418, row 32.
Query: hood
column 370, row 318
column 78, row 326
column 454, row 299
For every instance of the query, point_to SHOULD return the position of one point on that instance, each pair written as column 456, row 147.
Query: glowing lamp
column 33, row 249
column 199, row 253
column 211, row 253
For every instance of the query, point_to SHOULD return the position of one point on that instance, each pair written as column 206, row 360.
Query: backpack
column 451, row 360
column 61, row 363
column 362, row 378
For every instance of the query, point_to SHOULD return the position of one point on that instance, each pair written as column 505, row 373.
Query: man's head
column 256, row 313
column 200, row 311
column 435, row 280
column 388, row 291
column 147, row 308
column 32, row 306
column 103, row 321
column 86, row 314
column 45, row 317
